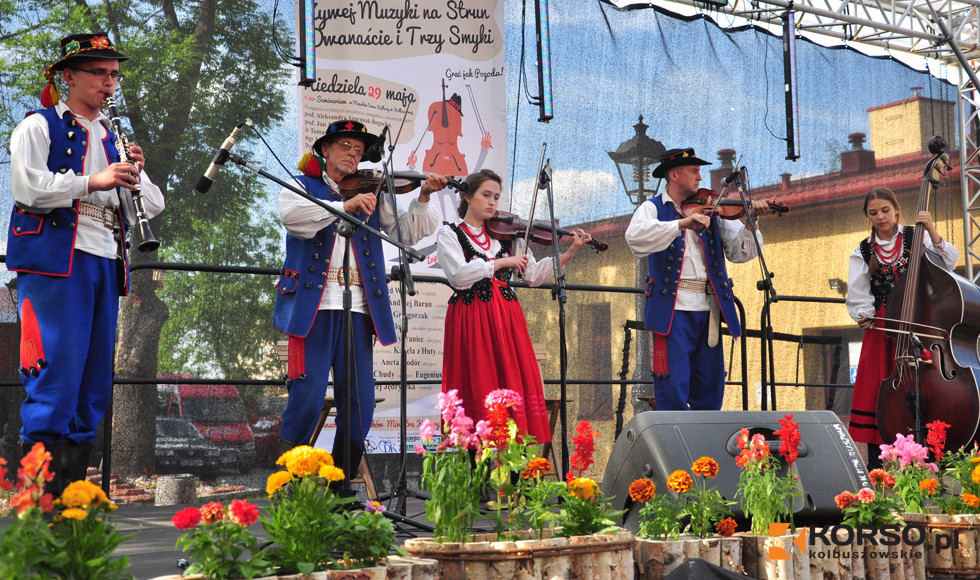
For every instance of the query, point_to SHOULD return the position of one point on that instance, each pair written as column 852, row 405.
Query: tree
column 197, row 68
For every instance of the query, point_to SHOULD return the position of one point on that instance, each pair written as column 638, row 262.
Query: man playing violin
column 687, row 290
column 309, row 302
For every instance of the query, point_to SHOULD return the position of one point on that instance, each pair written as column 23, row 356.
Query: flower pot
column 760, row 561
column 657, row 558
column 599, row 556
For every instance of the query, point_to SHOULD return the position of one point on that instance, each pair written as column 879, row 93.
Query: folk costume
column 687, row 289
column 68, row 247
column 309, row 299
column 867, row 292
column 487, row 345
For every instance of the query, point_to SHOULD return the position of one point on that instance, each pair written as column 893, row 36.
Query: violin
column 446, row 124
column 507, row 226
column 369, row 180
column 706, row 201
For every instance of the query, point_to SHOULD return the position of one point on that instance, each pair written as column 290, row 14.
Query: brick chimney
column 857, row 159
column 726, row 156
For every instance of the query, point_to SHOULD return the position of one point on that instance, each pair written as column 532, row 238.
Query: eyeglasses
column 347, row 146
column 102, row 74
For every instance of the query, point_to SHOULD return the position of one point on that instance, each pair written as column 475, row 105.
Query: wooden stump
column 176, row 490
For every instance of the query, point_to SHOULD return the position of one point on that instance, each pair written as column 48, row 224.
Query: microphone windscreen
column 203, row 184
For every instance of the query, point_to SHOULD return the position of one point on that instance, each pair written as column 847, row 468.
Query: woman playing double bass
column 877, row 264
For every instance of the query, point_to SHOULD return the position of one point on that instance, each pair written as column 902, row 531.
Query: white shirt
column 647, row 235
column 303, row 219
column 860, row 302
column 37, row 189
column 462, row 274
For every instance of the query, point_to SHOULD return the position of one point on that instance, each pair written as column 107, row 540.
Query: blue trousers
column 76, row 319
column 324, row 350
column 696, row 377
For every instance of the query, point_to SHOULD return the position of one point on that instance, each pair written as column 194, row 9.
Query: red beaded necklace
column 483, row 245
column 888, row 257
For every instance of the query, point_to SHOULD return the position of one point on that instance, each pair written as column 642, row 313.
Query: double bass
column 934, row 311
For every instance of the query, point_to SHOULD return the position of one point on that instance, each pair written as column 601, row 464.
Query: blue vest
column 665, row 272
column 303, row 277
column 44, row 243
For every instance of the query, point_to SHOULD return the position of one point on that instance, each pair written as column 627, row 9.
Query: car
column 181, row 448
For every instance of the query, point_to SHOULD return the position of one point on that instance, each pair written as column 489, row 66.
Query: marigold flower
column 83, row 494
column 881, row 478
column 212, row 512
column 975, row 476
column 975, row 459
column 865, row 495
column 705, row 467
column 243, row 513
column 74, row 514
column 583, row 487
column 536, row 468
column 186, row 518
column 971, row 500
column 276, row 481
column 331, row 473
column 726, row 527
column 844, row 499
column 680, row 481
column 304, row 460
column 643, row 490
column 929, row 485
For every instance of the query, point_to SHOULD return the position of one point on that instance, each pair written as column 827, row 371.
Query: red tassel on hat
column 50, row 96
column 660, row 356
column 310, row 166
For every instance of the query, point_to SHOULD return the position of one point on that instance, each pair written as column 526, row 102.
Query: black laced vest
column 482, row 289
column 884, row 277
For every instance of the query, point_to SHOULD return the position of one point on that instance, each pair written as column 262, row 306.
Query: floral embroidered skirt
column 487, row 347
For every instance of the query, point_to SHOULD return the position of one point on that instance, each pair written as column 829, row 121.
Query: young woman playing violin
column 487, row 345
column 879, row 261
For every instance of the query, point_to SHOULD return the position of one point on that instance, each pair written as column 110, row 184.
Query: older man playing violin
column 688, row 285
column 309, row 301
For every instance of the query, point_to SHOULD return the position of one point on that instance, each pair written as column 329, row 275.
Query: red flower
column 497, row 419
column 726, row 527
column 584, row 441
column 243, row 513
column 936, row 439
column 642, row 490
column 789, row 436
column 212, row 512
column 4, row 484
column 845, row 499
column 881, row 478
column 186, row 518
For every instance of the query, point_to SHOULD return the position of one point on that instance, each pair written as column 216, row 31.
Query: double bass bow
column 935, row 317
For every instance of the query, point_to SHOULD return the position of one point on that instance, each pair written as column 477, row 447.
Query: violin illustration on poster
column 444, row 121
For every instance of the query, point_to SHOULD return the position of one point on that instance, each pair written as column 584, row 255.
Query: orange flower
column 642, row 490
column 679, row 481
column 583, row 487
column 536, row 468
column 971, row 500
column 212, row 512
column 881, row 478
column 929, row 485
column 726, row 527
column 845, row 499
column 705, row 467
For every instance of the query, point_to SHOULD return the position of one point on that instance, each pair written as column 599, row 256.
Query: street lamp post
column 636, row 156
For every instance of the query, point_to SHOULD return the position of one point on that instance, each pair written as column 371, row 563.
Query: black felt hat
column 677, row 158
column 345, row 128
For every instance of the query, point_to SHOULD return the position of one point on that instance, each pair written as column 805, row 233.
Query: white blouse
column 462, row 274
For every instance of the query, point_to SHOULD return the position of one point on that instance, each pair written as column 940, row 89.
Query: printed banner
column 433, row 72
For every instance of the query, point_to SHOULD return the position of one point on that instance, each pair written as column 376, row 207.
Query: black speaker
column 656, row 443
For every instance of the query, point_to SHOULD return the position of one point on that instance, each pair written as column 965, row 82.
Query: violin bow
column 534, row 196
column 476, row 112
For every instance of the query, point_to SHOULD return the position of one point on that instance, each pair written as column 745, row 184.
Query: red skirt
column 875, row 365
column 487, row 347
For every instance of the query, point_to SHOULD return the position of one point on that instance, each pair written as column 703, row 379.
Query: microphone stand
column 406, row 288
column 765, row 285
column 559, row 293
column 346, row 228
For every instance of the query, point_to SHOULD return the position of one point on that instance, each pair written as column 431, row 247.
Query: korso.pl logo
column 837, row 541
column 778, row 553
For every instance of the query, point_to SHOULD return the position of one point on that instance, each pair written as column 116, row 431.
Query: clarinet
column 148, row 241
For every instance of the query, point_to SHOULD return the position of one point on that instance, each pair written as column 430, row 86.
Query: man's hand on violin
column 695, row 221
column 432, row 184
column 518, row 263
column 363, row 201
column 760, row 207
column 580, row 239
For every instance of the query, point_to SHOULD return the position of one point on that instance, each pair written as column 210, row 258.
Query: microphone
column 375, row 152
column 545, row 177
column 205, row 182
column 733, row 175
column 917, row 343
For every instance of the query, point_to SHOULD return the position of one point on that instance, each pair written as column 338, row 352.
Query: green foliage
column 217, row 549
column 24, row 548
column 88, row 544
column 584, row 515
column 453, row 505
column 660, row 518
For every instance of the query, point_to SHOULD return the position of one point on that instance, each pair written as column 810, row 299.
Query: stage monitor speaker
column 654, row 444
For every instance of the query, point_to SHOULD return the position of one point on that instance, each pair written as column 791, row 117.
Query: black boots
column 343, row 487
column 69, row 462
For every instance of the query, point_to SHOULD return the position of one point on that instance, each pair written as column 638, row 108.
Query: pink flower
column 907, row 453
column 374, row 506
column 482, row 429
column 448, row 403
column 427, row 430
column 503, row 397
column 866, row 495
column 419, row 449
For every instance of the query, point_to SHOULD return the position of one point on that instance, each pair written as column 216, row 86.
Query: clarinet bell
column 148, row 242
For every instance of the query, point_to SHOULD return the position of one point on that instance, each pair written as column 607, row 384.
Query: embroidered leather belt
column 338, row 275
column 701, row 287
column 106, row 215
